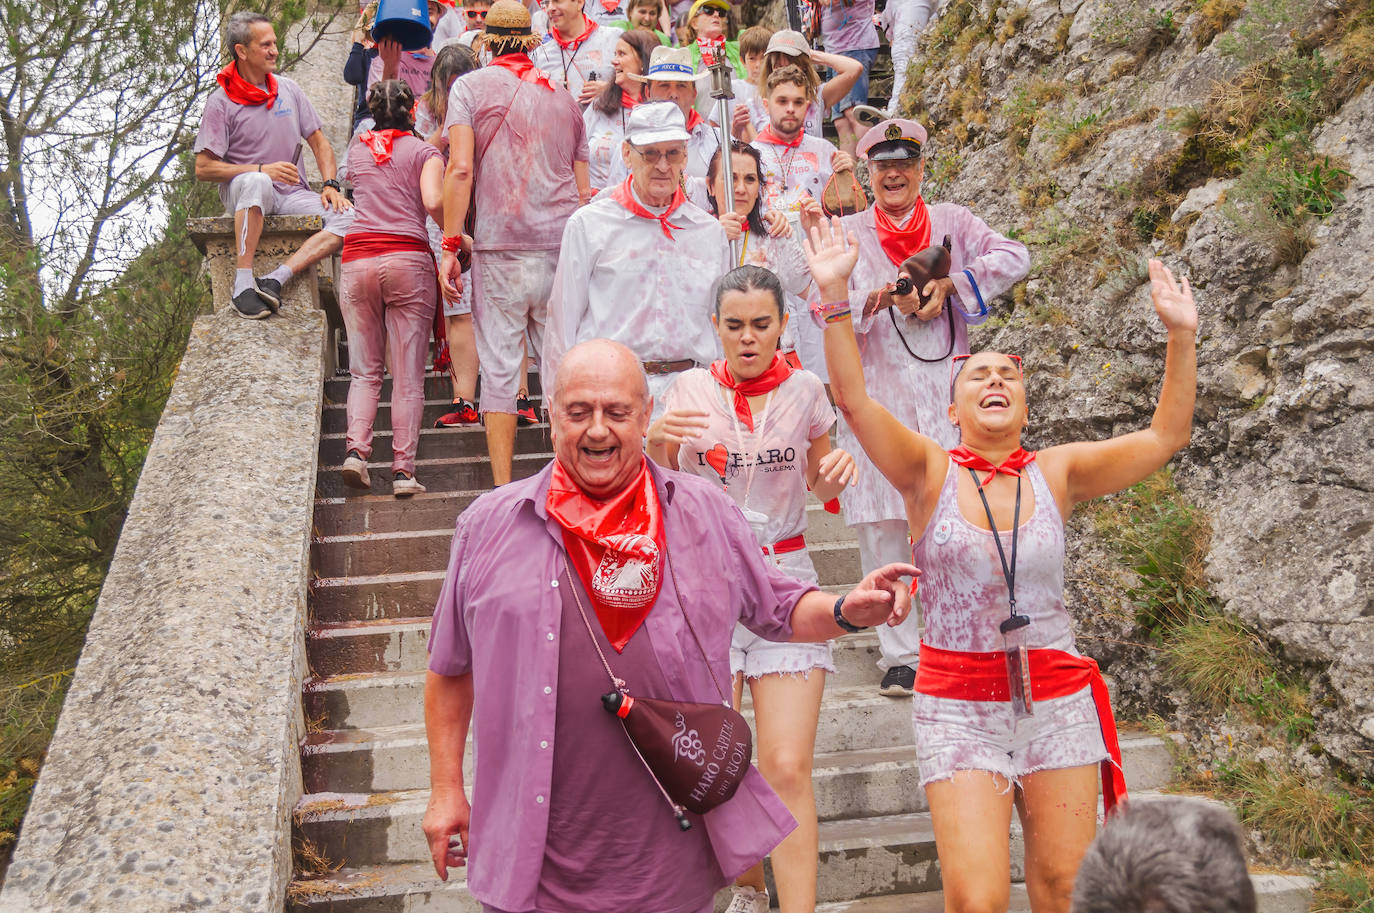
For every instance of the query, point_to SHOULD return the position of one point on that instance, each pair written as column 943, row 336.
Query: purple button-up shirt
column 499, row 617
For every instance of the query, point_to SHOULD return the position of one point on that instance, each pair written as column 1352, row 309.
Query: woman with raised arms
column 1006, row 711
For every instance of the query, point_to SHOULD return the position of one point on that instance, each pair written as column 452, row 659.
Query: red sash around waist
column 361, row 244
column 785, row 546
column 983, row 677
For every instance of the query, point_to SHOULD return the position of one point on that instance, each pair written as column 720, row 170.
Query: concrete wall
column 170, row 781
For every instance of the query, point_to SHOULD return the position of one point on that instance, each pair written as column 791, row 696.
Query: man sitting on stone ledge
column 250, row 144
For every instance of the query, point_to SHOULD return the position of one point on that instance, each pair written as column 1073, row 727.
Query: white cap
column 656, row 122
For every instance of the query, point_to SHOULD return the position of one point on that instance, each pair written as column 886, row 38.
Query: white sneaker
column 355, row 471
column 403, row 485
column 747, row 900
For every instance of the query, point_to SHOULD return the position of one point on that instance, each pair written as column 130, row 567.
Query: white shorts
column 510, row 297
column 757, row 657
column 463, row 306
column 253, row 188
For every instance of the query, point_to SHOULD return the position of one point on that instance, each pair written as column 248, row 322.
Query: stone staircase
column 378, row 563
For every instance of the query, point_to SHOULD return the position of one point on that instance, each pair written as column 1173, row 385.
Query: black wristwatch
column 335, row 184
column 843, row 622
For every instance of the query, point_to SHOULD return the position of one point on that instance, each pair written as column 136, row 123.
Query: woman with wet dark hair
column 764, row 237
column 389, row 285
column 761, row 429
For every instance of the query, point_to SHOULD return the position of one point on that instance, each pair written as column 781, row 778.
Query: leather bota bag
column 843, row 194
column 697, row 754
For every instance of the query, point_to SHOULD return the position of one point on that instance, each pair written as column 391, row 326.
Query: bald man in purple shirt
column 563, row 815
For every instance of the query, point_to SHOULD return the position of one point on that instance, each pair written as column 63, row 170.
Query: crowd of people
column 555, row 187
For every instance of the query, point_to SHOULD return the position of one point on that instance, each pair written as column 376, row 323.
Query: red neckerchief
column 610, row 6
column 775, row 374
column 627, row 101
column 766, row 135
column 243, row 92
column 708, row 48
column 572, row 44
column 380, row 143
column 901, row 242
column 693, row 119
column 523, row 68
column 616, row 547
column 1010, row 466
column 625, row 197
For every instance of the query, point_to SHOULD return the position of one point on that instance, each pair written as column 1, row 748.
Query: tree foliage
column 99, row 103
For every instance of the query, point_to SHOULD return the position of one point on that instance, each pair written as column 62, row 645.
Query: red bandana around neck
column 523, row 68
column 616, row 546
column 610, row 6
column 380, row 143
column 1011, row 466
column 693, row 119
column 900, row 242
column 627, row 101
column 766, row 135
column 243, row 92
column 572, row 44
column 624, row 195
column 775, row 374
column 709, row 47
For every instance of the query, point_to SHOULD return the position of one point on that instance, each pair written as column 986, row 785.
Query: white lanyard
column 739, row 435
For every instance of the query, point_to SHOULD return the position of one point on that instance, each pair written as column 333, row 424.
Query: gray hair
column 1171, row 855
column 747, row 279
column 239, row 29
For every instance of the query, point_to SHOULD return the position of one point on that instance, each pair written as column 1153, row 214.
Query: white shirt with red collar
column 587, row 58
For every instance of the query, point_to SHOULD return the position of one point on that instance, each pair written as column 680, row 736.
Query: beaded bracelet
column 833, row 312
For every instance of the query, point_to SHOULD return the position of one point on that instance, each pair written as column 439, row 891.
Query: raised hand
column 1173, row 303
column 676, row 427
column 830, row 254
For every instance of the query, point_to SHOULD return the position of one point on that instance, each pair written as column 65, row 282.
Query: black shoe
column 269, row 290
column 251, row 305
column 525, row 413
column 900, row 681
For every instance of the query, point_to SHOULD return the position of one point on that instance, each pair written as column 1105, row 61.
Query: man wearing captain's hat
column 906, row 346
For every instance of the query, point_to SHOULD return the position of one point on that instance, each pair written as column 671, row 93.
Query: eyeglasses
column 956, row 364
column 475, row 14
column 892, row 164
column 654, row 156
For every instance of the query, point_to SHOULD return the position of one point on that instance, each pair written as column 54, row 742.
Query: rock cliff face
column 1234, row 142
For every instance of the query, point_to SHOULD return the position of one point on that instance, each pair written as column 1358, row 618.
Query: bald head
column 607, row 361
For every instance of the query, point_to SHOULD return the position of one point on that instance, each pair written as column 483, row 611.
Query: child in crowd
column 753, row 47
column 646, row 15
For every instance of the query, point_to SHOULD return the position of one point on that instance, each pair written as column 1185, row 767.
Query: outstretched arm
column 900, row 454
column 1093, row 468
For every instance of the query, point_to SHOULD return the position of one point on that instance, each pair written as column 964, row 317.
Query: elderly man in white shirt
column 638, row 263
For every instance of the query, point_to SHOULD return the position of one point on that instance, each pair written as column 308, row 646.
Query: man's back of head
column 1172, row 855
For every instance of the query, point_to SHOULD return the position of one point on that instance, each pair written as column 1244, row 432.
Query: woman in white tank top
column 1006, row 712
column 761, row 429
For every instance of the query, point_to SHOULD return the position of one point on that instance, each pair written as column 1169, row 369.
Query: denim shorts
column 983, row 735
column 858, row 94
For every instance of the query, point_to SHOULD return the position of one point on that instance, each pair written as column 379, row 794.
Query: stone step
column 466, row 441
column 436, row 474
column 389, row 643
column 414, row 888
column 371, row 554
column 437, row 386
column 410, row 594
column 334, row 420
column 368, row 513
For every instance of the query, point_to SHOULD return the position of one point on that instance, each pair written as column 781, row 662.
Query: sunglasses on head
column 956, row 364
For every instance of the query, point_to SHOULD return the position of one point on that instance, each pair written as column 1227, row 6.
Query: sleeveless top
column 962, row 590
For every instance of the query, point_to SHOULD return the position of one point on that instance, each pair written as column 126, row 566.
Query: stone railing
column 171, row 778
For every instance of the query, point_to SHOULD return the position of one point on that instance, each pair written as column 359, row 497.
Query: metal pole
column 723, row 92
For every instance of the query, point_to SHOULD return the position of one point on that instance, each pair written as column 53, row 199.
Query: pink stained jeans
column 388, row 300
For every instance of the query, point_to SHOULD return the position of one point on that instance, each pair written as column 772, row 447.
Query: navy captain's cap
column 893, row 139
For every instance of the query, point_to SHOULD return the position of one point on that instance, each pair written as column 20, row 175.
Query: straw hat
column 666, row 65
column 508, row 25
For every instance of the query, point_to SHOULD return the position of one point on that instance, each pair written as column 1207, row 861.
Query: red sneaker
column 464, row 413
column 525, row 412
